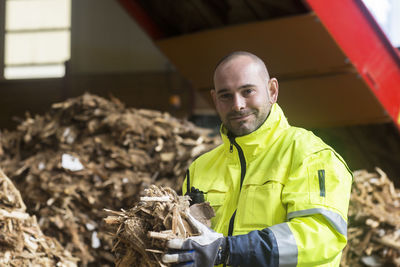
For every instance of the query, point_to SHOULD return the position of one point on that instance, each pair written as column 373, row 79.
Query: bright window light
column 37, row 47
column 37, row 39
column 37, row 14
column 387, row 14
column 26, row 72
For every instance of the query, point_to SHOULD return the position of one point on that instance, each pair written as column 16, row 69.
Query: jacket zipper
column 242, row 174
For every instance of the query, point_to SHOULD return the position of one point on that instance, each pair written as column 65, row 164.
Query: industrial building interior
column 112, row 52
column 338, row 67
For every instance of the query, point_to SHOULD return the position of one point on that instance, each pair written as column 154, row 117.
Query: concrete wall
column 106, row 39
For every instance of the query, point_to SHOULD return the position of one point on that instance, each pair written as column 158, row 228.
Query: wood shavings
column 120, row 152
column 374, row 222
column 22, row 243
column 141, row 235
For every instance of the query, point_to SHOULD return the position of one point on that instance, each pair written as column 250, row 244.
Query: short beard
column 245, row 131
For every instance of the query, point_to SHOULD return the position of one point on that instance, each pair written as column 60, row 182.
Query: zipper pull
column 231, row 140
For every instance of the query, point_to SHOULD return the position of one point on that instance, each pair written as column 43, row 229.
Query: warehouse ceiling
column 181, row 17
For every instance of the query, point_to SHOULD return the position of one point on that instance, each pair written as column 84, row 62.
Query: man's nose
column 239, row 103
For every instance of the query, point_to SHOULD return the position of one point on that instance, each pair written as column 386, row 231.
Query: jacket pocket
column 260, row 206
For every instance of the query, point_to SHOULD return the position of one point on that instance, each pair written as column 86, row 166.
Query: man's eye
column 248, row 91
column 225, row 96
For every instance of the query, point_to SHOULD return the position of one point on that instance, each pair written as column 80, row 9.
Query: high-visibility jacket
column 280, row 192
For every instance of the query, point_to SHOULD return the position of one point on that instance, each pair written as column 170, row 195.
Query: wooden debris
column 22, row 243
column 374, row 222
column 142, row 231
column 89, row 153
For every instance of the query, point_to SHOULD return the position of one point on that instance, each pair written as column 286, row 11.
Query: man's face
column 243, row 96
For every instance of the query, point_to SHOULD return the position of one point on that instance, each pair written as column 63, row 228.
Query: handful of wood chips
column 142, row 231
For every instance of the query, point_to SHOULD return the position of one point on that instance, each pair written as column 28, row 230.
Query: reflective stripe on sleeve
column 287, row 247
column 333, row 218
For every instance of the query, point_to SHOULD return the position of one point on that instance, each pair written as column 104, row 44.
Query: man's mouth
column 239, row 117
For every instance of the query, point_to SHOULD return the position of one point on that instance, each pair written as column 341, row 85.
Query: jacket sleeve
column 317, row 196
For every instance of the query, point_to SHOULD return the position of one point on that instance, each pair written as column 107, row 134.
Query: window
column 387, row 14
column 37, row 38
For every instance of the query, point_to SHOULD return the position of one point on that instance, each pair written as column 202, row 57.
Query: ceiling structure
column 175, row 18
column 324, row 81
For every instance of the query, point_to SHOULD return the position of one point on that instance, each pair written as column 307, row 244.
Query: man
column 280, row 194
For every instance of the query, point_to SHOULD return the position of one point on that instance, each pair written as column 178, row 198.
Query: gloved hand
column 207, row 249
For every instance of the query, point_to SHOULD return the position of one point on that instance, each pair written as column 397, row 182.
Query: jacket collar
column 262, row 138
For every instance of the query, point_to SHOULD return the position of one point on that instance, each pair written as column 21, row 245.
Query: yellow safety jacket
column 282, row 179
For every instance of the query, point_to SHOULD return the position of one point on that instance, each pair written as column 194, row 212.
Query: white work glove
column 207, row 249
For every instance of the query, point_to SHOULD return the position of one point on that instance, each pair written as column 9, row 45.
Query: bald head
column 234, row 55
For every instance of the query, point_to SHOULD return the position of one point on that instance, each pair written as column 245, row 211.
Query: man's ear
column 273, row 90
column 213, row 95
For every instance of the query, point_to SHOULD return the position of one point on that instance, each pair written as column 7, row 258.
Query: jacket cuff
column 257, row 248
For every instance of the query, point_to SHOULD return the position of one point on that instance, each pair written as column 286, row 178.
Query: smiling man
column 243, row 93
column 280, row 194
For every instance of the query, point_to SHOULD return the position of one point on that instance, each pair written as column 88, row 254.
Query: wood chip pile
column 142, row 231
column 87, row 154
column 22, row 243
column 374, row 222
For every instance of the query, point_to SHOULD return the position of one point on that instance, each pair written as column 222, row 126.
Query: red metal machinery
column 369, row 50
